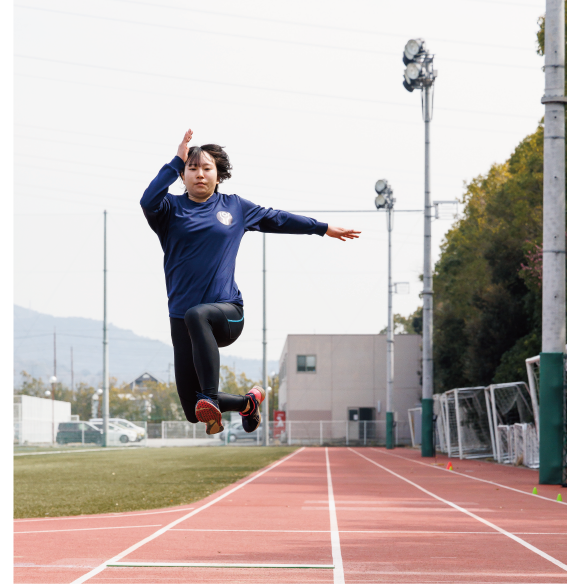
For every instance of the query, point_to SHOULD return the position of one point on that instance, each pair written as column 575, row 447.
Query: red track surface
column 389, row 530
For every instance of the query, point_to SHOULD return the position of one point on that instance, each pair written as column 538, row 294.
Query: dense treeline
column 164, row 404
column 487, row 283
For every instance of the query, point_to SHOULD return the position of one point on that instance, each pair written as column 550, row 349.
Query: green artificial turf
column 54, row 485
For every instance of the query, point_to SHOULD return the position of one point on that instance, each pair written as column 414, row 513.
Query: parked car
column 124, row 424
column 73, row 432
column 237, row 432
column 116, row 433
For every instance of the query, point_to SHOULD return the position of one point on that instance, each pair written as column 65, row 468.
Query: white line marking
column 205, row 565
column 161, row 531
column 473, row 478
column 88, row 529
column 104, row 516
column 370, row 531
column 484, row 521
column 334, row 535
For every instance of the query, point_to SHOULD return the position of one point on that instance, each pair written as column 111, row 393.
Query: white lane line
column 208, row 565
column 370, row 531
column 104, row 516
column 484, row 521
column 88, row 529
column 161, row 531
column 334, row 535
column 470, row 477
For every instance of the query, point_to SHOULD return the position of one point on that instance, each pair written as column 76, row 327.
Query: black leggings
column 196, row 339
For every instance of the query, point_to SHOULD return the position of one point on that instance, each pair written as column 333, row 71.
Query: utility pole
column 264, row 360
column 72, row 374
column 105, row 404
column 54, row 351
column 554, row 252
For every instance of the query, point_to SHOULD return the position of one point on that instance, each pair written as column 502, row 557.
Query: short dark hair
column 222, row 160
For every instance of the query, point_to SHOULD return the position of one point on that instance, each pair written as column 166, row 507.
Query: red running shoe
column 251, row 419
column 207, row 410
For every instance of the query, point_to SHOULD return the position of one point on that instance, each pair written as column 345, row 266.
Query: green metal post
column 551, row 418
column 427, row 446
column 389, row 442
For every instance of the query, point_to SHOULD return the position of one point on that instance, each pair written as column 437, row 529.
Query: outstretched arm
column 342, row 233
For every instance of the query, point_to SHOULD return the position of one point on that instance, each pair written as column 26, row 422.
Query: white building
column 342, row 379
column 36, row 419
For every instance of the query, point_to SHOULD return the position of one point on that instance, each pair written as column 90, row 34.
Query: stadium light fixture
column 418, row 63
column 384, row 198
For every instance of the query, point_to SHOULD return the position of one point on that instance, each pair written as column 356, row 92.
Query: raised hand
column 342, row 233
column 182, row 149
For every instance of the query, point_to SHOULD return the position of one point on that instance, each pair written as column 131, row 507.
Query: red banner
column 279, row 423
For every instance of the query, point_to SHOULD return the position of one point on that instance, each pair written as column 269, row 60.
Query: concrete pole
column 427, row 447
column 390, row 340
column 554, row 268
column 554, row 252
column 105, row 346
column 264, row 359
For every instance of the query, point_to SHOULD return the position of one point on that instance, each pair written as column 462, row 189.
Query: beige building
column 342, row 378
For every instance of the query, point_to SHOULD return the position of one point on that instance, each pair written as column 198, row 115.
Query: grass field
column 129, row 480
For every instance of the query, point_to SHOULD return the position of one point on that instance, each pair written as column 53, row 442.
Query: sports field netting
column 511, row 405
column 463, row 423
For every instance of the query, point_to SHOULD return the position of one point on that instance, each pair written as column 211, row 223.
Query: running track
column 376, row 515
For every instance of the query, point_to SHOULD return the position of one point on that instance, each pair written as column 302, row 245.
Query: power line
column 253, row 87
column 242, row 184
column 261, row 39
column 268, row 106
column 319, row 26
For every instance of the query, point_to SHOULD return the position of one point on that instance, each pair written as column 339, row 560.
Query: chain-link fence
column 287, row 433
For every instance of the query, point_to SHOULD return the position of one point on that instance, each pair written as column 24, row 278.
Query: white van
column 126, row 425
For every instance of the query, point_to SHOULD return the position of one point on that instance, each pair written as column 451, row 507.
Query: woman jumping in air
column 200, row 232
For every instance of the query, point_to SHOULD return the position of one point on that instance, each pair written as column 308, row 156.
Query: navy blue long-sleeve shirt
column 201, row 240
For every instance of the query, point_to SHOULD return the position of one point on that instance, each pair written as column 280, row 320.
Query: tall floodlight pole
column 264, row 360
column 419, row 74
column 554, row 253
column 385, row 200
column 105, row 346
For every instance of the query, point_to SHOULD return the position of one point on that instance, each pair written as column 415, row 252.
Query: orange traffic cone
column 449, row 466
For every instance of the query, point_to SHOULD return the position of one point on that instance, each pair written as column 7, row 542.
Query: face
column 200, row 179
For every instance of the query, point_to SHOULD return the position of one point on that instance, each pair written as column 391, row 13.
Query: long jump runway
column 336, row 515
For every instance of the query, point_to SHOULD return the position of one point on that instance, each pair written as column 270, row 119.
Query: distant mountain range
column 130, row 355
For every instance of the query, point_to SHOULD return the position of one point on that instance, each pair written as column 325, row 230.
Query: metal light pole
column 385, row 200
column 105, row 346
column 554, row 253
column 53, row 381
column 264, row 360
column 419, row 74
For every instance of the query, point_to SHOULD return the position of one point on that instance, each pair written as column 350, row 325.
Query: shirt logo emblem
column 224, row 217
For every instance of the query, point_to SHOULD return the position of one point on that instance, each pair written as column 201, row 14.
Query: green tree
column 407, row 325
column 487, row 312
